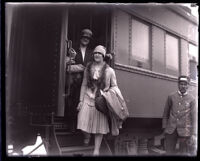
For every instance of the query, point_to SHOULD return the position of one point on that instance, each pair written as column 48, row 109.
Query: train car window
column 193, row 61
column 172, row 54
column 140, row 44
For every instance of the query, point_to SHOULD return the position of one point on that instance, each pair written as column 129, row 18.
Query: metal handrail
column 36, row 148
column 107, row 145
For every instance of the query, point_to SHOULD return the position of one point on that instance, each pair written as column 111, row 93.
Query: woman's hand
column 109, row 56
column 79, row 106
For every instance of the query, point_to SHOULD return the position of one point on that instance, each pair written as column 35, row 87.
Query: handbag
column 100, row 103
column 116, row 104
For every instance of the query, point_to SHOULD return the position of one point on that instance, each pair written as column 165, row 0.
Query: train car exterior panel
column 159, row 78
column 145, row 95
column 156, row 47
column 193, row 90
column 167, row 18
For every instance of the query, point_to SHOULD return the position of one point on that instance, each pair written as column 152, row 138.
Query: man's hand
column 193, row 140
column 72, row 53
column 68, row 61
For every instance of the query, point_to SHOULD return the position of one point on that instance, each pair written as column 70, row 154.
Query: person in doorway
column 97, row 75
column 80, row 56
column 179, row 119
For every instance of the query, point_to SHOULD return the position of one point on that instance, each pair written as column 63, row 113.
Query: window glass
column 193, row 60
column 193, row 52
column 172, row 52
column 140, row 41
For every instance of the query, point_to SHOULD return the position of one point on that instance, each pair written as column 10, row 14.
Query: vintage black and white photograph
column 99, row 79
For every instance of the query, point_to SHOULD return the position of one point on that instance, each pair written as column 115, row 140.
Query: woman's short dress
column 89, row 118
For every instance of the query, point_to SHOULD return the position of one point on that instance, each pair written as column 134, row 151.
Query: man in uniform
column 80, row 56
column 179, row 119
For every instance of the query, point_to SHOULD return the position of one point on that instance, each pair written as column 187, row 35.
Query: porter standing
column 179, row 118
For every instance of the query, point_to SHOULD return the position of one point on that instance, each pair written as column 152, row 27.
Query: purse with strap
column 100, row 103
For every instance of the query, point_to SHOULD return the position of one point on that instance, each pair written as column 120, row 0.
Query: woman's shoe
column 96, row 153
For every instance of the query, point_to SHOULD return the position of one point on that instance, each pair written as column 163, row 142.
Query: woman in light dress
column 97, row 75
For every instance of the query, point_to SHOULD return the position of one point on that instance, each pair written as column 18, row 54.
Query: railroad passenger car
column 151, row 45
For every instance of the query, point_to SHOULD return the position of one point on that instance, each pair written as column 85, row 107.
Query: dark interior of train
column 96, row 18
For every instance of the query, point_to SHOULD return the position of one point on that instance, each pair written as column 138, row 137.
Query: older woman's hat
column 100, row 49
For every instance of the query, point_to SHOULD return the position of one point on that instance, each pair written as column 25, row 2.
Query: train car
column 152, row 44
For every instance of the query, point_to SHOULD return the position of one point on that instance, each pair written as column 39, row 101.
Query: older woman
column 97, row 75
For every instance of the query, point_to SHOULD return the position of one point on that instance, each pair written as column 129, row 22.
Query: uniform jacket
column 180, row 114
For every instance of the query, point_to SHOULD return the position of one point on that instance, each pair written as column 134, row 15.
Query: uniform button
column 177, row 119
column 179, row 103
column 178, row 111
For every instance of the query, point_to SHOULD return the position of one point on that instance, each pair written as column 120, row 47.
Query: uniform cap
column 183, row 79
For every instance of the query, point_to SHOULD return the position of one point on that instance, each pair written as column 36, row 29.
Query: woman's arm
column 110, row 80
column 113, row 79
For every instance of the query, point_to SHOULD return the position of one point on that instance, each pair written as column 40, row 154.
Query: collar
column 82, row 47
column 184, row 94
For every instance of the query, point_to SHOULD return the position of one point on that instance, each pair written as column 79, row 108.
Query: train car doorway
column 95, row 17
column 98, row 20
